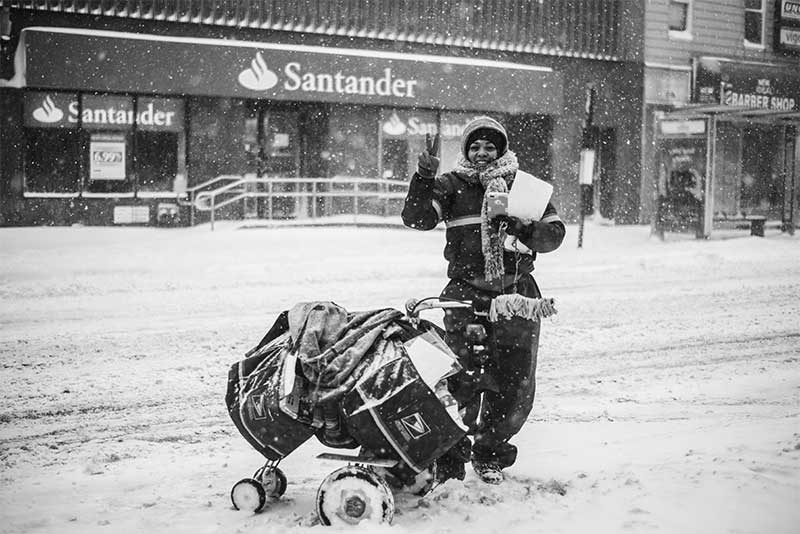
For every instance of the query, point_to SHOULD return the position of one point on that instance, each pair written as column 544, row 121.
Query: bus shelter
column 722, row 166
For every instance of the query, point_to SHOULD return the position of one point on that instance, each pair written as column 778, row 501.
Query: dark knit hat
column 484, row 128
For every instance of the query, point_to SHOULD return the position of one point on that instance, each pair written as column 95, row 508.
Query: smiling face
column 482, row 152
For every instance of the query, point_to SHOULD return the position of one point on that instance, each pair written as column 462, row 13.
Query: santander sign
column 258, row 77
column 153, row 113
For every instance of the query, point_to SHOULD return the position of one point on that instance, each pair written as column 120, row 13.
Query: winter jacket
column 457, row 200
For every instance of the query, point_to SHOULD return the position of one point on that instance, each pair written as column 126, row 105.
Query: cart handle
column 512, row 305
column 415, row 306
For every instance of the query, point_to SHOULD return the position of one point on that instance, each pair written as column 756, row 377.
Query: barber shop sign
column 749, row 86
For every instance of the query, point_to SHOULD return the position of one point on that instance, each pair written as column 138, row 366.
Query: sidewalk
column 376, row 221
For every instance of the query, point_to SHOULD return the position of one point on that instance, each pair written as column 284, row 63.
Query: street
column 668, row 391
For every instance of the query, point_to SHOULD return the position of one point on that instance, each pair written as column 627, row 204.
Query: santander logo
column 258, row 77
column 48, row 112
column 394, row 126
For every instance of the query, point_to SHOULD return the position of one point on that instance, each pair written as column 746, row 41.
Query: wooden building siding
column 572, row 28
column 717, row 30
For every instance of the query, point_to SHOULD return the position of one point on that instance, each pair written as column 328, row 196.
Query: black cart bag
column 370, row 379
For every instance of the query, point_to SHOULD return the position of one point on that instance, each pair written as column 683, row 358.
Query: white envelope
column 527, row 200
column 528, row 197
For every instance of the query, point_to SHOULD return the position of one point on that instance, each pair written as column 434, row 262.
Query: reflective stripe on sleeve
column 437, row 207
column 551, row 218
column 462, row 221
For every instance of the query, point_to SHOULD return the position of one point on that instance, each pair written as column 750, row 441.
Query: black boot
column 451, row 464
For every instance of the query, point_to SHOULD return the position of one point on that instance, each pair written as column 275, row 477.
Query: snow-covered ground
column 668, row 387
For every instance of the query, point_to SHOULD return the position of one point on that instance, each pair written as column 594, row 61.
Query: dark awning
column 751, row 91
column 94, row 60
column 736, row 114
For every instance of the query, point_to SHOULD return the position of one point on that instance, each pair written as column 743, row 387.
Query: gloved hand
column 514, row 226
column 428, row 162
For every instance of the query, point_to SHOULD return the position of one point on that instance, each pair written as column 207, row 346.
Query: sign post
column 789, row 179
column 587, row 161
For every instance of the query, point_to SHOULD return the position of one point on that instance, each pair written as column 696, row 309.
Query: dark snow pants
column 510, row 371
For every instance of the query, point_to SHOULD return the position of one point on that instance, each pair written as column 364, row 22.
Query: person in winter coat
column 480, row 269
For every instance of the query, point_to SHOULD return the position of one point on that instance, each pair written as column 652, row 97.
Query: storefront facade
column 754, row 110
column 108, row 126
column 722, row 117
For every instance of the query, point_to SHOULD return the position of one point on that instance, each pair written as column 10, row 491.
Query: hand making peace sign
column 428, row 162
column 432, row 146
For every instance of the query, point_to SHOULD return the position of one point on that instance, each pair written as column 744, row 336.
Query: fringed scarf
column 497, row 176
column 514, row 305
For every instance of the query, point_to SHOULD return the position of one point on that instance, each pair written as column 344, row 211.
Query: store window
column 52, row 145
column 100, row 145
column 52, row 166
column 108, row 164
column 680, row 19
column 107, row 120
column 402, row 137
column 159, row 147
column 352, row 152
column 403, row 133
column 761, row 189
column 156, row 160
column 353, row 143
column 754, row 23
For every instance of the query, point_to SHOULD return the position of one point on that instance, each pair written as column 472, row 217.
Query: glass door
column 272, row 143
column 280, row 159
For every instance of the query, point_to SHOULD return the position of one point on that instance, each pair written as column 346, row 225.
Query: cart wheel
column 274, row 482
column 354, row 494
column 248, row 494
column 420, row 486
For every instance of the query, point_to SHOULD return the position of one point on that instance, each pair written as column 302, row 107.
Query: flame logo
column 258, row 77
column 48, row 111
column 394, row 126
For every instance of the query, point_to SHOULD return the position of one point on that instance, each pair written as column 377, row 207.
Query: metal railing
column 242, row 188
column 193, row 191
